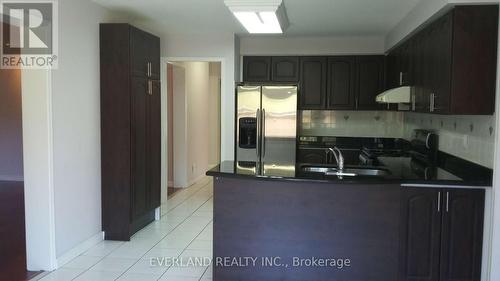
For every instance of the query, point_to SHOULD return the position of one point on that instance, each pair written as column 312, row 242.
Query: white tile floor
column 185, row 230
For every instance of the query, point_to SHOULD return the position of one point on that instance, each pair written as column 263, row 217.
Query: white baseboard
column 158, row 214
column 79, row 249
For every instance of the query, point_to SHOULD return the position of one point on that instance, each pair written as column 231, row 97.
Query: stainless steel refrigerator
column 266, row 125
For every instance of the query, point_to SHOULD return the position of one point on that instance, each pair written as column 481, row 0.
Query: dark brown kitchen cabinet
column 398, row 66
column 441, row 234
column 474, row 59
column 285, row 69
column 256, row 69
column 451, row 62
column 462, row 235
column 369, row 82
column 313, row 81
column 341, row 83
column 130, row 129
column 419, row 235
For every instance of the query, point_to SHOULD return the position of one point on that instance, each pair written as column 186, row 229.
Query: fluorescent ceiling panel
column 259, row 16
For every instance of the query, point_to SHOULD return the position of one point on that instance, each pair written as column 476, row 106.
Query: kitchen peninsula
column 384, row 223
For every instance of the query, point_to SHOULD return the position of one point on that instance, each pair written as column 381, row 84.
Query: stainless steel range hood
column 396, row 95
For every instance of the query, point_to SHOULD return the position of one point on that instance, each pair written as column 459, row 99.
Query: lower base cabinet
column 441, row 234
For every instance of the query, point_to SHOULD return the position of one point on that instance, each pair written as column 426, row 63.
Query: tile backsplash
column 352, row 123
column 468, row 137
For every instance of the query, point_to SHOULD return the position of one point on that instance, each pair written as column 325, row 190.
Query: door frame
column 164, row 106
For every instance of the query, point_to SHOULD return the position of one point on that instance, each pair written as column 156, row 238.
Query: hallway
column 184, row 231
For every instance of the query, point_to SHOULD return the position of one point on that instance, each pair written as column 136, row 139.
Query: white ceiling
column 307, row 17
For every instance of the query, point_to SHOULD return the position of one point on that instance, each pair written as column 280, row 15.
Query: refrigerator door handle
column 263, row 133
column 257, row 137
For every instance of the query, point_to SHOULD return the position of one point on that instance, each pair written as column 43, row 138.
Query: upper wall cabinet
column 270, row 69
column 341, row 83
column 369, row 82
column 257, row 69
column 285, row 69
column 451, row 63
column 312, row 94
column 326, row 83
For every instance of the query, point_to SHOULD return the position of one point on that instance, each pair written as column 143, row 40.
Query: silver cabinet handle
column 447, row 201
column 263, row 132
column 150, row 69
column 257, row 137
column 150, row 87
column 439, row 202
column 400, row 78
column 356, row 101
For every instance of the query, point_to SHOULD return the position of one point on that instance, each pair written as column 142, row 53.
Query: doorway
column 193, row 121
column 12, row 212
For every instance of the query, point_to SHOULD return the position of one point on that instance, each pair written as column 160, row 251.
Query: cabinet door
column 139, row 52
column 285, row 69
column 340, row 92
column 154, row 145
column 256, row 69
column 420, row 72
column 370, row 82
column 462, row 235
column 140, row 185
column 442, row 41
column 405, row 75
column 393, row 68
column 312, row 156
column 312, row 83
column 420, row 234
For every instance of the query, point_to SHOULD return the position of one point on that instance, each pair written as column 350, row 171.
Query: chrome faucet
column 339, row 158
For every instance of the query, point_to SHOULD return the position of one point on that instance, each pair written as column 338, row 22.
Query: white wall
column 213, row 107
column 278, row 45
column 38, row 170
column 180, row 131
column 210, row 47
column 197, row 91
column 76, row 124
column 61, row 128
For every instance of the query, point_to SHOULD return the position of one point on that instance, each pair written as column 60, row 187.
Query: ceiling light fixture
column 260, row 16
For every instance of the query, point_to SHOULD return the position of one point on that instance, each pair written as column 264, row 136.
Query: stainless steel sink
column 347, row 172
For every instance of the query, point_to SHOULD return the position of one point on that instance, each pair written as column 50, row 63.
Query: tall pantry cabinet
column 130, row 129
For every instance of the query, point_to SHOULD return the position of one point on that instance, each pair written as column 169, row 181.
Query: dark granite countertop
column 402, row 170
